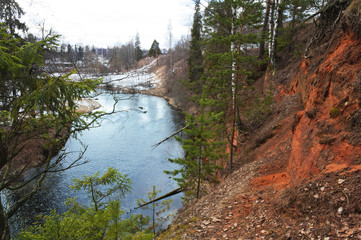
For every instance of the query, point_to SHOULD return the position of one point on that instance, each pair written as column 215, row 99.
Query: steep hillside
column 299, row 173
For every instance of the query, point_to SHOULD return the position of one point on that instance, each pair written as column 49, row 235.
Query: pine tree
column 265, row 29
column 158, row 209
column 202, row 150
column 195, row 60
column 102, row 220
column 231, row 29
column 154, row 50
column 138, row 49
column 10, row 14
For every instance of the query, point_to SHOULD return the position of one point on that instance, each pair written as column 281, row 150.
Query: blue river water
column 123, row 141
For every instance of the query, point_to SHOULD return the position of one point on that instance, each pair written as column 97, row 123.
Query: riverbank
column 168, row 84
column 149, row 78
column 87, row 105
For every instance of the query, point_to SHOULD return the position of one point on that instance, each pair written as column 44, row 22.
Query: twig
column 348, row 201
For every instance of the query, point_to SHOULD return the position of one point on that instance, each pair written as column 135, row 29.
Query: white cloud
column 108, row 22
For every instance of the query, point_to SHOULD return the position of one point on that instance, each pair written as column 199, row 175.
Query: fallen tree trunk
column 172, row 193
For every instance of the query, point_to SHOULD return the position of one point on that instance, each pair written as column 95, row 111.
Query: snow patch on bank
column 139, row 79
column 87, row 105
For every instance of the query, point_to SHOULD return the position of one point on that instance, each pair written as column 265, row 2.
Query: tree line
column 91, row 59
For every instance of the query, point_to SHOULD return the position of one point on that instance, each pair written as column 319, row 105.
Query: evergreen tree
column 265, row 29
column 195, row 60
column 10, row 14
column 158, row 209
column 80, row 53
column 38, row 108
column 154, row 50
column 138, row 49
column 230, row 30
column 102, row 220
column 202, row 150
column 112, row 178
column 298, row 11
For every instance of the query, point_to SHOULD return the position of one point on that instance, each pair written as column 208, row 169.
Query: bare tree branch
column 167, row 138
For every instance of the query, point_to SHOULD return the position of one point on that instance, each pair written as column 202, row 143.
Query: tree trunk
column 264, row 29
column 200, row 162
column 277, row 25
column 4, row 227
column 233, row 83
column 293, row 26
column 3, row 153
column 153, row 217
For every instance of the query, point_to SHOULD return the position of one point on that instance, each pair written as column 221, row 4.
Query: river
column 124, row 141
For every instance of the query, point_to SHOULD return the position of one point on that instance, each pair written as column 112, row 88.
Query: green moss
column 335, row 112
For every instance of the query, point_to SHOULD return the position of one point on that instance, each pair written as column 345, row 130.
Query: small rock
column 340, row 210
column 206, row 222
column 225, row 230
column 216, row 219
column 263, row 231
column 316, row 196
column 322, row 189
column 235, row 225
column 340, row 181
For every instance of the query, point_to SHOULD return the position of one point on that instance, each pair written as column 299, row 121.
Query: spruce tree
column 154, row 50
column 36, row 108
column 104, row 219
column 195, row 60
column 10, row 14
column 138, row 49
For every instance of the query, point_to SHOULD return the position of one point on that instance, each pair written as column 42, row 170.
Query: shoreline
column 155, row 91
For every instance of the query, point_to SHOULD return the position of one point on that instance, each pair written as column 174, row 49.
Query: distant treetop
column 154, row 50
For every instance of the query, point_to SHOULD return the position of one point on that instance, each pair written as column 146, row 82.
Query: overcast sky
column 106, row 23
